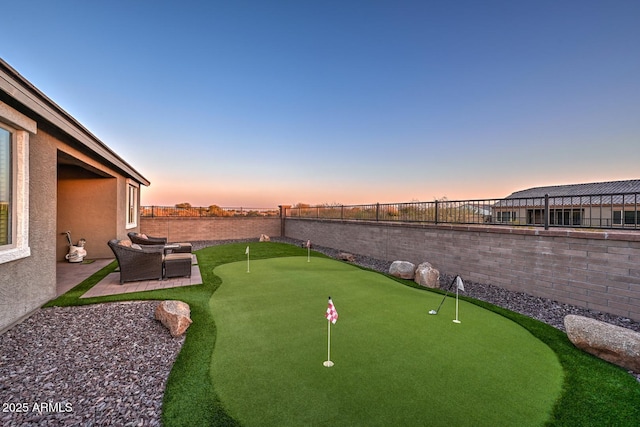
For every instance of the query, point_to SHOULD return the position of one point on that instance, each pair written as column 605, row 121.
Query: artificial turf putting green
column 394, row 363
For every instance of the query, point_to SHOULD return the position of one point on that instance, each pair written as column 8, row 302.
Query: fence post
column 436, row 219
column 342, row 212
column 283, row 215
column 546, row 211
column 377, row 212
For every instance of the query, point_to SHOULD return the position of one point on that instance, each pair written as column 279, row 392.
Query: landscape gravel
column 96, row 365
column 107, row 364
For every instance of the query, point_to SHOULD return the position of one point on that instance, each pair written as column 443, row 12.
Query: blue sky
column 260, row 103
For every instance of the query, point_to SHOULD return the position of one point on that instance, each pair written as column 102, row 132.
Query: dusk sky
column 262, row 103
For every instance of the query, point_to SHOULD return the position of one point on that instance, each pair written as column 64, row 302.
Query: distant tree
column 215, row 210
column 184, row 205
column 302, row 205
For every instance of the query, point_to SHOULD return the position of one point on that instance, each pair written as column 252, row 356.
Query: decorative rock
column 615, row 344
column 344, row 256
column 174, row 315
column 402, row 269
column 427, row 276
column 264, row 238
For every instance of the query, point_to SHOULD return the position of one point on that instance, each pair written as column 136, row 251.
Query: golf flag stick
column 332, row 317
column 459, row 287
column 247, row 253
column 328, row 363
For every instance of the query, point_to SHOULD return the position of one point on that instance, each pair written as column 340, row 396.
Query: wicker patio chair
column 145, row 263
column 143, row 239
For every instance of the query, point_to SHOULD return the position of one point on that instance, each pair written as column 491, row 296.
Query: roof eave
column 31, row 97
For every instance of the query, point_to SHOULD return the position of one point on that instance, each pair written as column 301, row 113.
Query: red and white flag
column 332, row 314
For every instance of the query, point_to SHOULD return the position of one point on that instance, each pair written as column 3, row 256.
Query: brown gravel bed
column 96, row 365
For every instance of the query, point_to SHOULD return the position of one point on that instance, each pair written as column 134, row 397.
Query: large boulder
column 344, row 256
column 427, row 276
column 614, row 344
column 174, row 315
column 402, row 269
column 264, row 238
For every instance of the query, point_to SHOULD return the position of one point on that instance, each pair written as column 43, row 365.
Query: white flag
column 246, row 252
column 459, row 283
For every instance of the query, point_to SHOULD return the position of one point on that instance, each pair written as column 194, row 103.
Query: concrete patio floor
column 69, row 275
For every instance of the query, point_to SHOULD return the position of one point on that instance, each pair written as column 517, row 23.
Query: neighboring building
column 55, row 176
column 598, row 204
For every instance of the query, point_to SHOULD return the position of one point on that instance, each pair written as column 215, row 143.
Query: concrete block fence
column 599, row 270
column 185, row 229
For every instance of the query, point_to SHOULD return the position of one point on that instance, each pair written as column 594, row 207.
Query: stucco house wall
column 27, row 283
column 70, row 180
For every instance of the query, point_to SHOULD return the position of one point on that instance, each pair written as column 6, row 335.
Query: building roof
column 588, row 189
column 31, row 98
column 594, row 193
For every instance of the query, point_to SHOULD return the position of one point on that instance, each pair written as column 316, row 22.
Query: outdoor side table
column 177, row 264
column 178, row 248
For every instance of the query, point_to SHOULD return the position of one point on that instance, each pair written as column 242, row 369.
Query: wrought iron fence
column 211, row 211
column 618, row 211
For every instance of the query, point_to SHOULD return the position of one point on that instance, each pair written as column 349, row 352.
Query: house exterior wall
column 92, row 203
column 89, row 198
column 86, row 209
column 596, row 270
column 27, row 283
column 209, row 228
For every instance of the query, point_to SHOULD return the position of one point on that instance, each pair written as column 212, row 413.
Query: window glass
column 5, row 187
column 617, row 217
column 630, row 218
column 132, row 205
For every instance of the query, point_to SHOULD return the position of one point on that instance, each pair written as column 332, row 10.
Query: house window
column 6, row 139
column 535, row 216
column 565, row 216
column 629, row 217
column 14, row 183
column 132, row 205
column 506, row 216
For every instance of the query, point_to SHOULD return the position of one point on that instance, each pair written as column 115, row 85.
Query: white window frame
column 132, row 204
column 20, row 127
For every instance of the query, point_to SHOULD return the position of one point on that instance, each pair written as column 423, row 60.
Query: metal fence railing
column 211, row 211
column 618, row 210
